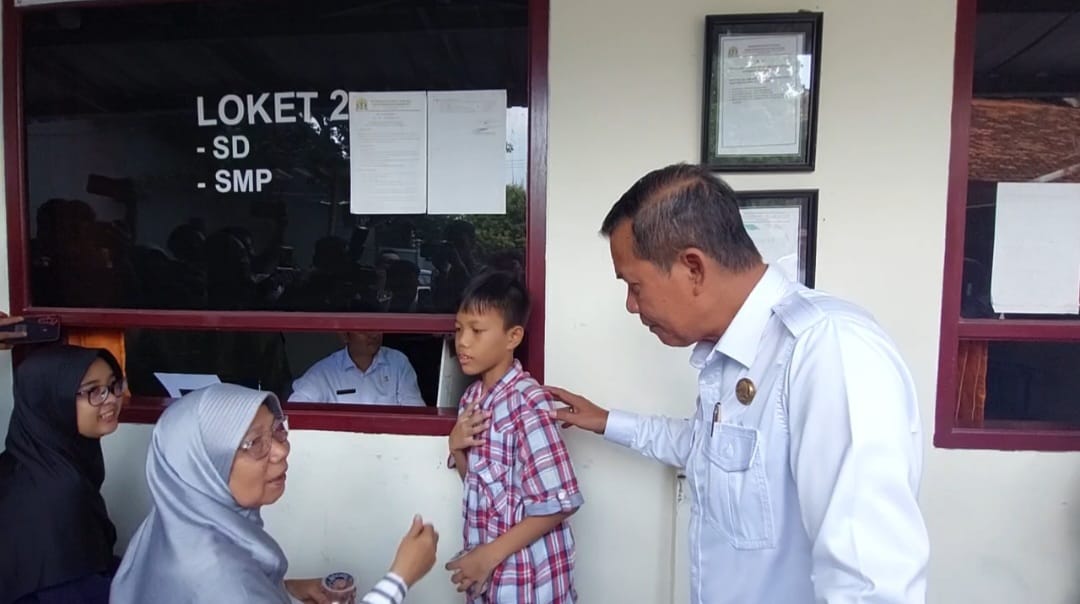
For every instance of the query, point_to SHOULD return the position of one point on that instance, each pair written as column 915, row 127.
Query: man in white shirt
column 363, row 372
column 805, row 453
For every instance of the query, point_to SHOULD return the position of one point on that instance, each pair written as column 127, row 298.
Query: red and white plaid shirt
column 523, row 469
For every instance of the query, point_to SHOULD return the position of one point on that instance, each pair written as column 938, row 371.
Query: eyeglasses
column 259, row 446
column 97, row 395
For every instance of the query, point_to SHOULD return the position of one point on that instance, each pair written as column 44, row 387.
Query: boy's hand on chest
column 471, row 429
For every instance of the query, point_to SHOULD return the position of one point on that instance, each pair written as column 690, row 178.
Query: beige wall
column 625, row 98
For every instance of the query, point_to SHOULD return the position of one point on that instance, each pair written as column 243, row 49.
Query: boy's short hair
column 498, row 291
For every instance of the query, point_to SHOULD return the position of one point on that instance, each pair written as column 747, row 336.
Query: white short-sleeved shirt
column 390, row 380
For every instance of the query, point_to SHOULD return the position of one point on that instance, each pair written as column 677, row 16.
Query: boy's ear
column 516, row 333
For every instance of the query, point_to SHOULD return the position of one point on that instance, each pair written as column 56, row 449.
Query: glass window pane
column 1025, row 124
column 1037, row 381
column 115, row 153
column 354, row 367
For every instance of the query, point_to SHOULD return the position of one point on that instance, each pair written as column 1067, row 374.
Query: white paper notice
column 467, row 152
column 388, row 152
column 775, row 232
column 179, row 384
column 759, row 84
column 1036, row 249
column 452, row 381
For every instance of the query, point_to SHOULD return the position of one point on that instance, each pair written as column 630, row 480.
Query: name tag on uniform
column 346, row 391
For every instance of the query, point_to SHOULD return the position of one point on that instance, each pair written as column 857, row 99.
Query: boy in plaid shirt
column 520, row 487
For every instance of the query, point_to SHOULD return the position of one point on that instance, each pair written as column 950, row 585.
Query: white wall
column 625, row 98
column 625, row 80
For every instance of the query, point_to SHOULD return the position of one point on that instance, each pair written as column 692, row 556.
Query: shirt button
column 561, row 495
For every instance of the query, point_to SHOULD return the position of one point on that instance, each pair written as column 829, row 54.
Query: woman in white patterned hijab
column 216, row 457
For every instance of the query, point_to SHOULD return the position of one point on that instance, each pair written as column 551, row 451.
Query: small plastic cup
column 340, row 588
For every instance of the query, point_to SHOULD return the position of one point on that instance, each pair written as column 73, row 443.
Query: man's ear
column 693, row 261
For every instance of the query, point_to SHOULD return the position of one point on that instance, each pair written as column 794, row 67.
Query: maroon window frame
column 376, row 419
column 949, row 432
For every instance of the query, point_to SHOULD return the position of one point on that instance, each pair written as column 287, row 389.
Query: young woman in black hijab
column 56, row 539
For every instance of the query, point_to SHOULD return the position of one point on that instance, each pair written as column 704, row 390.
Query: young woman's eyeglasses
column 258, row 447
column 97, row 395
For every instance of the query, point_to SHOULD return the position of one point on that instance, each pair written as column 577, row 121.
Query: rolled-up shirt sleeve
column 547, row 479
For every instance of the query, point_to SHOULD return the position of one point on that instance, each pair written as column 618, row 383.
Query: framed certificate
column 761, row 91
column 783, row 225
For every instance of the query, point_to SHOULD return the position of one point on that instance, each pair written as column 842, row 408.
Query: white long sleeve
column 856, row 456
column 663, row 439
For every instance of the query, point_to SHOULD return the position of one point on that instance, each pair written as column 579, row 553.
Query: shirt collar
column 740, row 340
column 347, row 362
column 511, row 376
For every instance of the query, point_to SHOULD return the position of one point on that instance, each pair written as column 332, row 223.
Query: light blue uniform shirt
column 806, row 494
column 390, row 380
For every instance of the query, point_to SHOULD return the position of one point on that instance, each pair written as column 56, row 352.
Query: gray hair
column 679, row 207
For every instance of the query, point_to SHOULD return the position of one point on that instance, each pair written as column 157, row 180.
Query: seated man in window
column 363, row 372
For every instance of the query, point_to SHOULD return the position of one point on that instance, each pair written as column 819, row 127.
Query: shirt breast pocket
column 493, row 468
column 737, row 491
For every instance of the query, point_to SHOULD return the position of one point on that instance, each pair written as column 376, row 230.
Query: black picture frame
column 806, row 201
column 790, row 147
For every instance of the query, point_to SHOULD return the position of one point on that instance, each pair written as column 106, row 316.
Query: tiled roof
column 1016, row 141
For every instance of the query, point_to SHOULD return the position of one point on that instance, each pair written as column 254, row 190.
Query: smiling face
column 662, row 299
column 254, row 481
column 97, row 420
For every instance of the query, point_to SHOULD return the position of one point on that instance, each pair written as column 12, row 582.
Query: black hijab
column 54, row 526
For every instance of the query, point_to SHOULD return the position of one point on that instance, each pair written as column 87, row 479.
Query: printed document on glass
column 387, row 152
column 1036, row 249
column 179, row 384
column 467, row 152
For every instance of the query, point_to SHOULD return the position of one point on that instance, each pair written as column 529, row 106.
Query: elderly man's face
column 661, row 299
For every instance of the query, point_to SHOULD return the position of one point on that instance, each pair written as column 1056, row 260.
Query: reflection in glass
column 1036, row 381
column 128, row 146
column 1025, row 124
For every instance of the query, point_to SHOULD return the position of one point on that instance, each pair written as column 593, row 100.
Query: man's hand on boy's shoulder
column 579, row 411
column 470, row 428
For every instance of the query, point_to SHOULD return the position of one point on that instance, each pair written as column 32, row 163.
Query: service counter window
column 359, row 372
column 233, row 185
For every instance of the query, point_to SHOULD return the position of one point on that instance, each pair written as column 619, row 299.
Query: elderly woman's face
column 258, row 470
